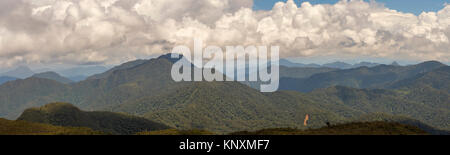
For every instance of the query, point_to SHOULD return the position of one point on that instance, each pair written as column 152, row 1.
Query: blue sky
column 410, row 6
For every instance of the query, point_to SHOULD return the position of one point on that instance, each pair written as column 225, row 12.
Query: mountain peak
column 169, row 57
column 395, row 63
column 20, row 72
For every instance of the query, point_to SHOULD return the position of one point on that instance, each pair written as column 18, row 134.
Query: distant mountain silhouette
column 335, row 65
column 365, row 64
column 4, row 79
column 340, row 65
column 77, row 78
column 85, row 71
column 287, row 63
column 53, row 76
column 21, row 72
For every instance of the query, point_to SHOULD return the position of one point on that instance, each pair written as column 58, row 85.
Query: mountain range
column 20, row 72
column 335, row 65
column 74, row 74
column 362, row 77
column 145, row 88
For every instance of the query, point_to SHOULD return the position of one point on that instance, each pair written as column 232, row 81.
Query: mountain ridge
column 53, row 76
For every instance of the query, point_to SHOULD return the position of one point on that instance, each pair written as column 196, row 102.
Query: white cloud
column 114, row 31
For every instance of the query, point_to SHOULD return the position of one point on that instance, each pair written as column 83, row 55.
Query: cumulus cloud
column 114, row 31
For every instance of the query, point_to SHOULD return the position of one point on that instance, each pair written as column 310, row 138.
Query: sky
column 110, row 32
column 407, row 6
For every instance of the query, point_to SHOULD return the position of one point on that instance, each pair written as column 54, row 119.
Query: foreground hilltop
column 362, row 128
column 64, row 114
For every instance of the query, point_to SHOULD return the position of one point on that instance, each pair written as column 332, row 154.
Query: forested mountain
column 203, row 105
column 18, row 95
column 64, row 114
column 437, row 79
column 363, row 77
column 351, row 102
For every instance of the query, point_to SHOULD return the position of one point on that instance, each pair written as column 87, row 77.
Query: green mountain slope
column 202, row 105
column 63, row 114
column 437, row 79
column 431, row 88
column 18, row 95
column 393, row 102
